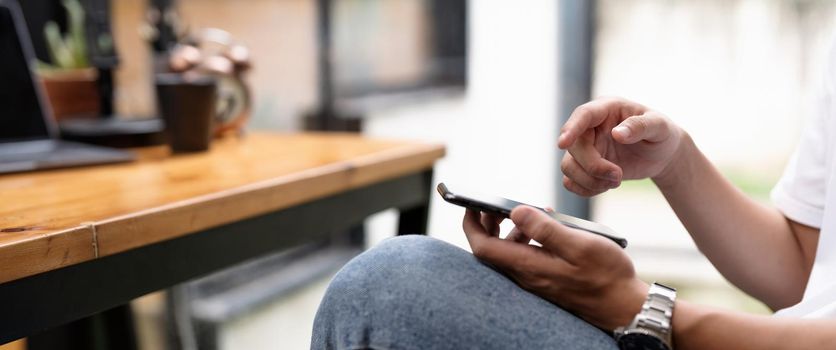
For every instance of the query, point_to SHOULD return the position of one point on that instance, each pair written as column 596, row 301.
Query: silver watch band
column 655, row 317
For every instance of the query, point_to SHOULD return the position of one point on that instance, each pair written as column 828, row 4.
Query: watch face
column 640, row 341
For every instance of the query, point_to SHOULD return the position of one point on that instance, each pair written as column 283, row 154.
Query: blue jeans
column 415, row 292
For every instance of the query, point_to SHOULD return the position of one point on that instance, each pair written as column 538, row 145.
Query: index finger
column 503, row 253
column 491, row 223
column 585, row 116
column 592, row 114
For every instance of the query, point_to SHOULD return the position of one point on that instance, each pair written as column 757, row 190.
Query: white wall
column 501, row 135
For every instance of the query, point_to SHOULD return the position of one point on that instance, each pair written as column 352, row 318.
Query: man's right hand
column 610, row 140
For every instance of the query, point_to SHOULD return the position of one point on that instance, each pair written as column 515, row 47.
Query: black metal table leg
column 111, row 329
column 413, row 220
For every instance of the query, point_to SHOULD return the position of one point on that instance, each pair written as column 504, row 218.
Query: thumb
column 536, row 225
column 646, row 127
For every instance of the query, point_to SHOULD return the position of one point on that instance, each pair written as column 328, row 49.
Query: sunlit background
column 738, row 75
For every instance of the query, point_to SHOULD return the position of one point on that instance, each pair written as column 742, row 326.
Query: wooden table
column 76, row 242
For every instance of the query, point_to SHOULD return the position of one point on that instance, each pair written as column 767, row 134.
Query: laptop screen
column 21, row 116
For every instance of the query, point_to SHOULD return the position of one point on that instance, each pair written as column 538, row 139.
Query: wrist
column 679, row 163
column 694, row 326
column 633, row 304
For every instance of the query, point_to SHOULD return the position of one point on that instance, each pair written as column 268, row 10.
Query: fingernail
column 622, row 130
column 612, row 176
column 613, row 184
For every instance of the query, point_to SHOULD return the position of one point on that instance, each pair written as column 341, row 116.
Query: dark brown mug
column 187, row 104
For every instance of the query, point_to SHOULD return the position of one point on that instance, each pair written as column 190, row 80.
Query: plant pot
column 72, row 93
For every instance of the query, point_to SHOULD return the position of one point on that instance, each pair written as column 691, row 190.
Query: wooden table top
column 58, row 218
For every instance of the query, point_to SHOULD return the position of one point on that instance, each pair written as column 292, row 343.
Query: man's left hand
column 582, row 272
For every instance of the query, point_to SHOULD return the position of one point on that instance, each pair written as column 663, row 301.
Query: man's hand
column 583, row 273
column 610, row 140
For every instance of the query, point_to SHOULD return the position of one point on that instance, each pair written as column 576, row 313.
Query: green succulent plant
column 67, row 51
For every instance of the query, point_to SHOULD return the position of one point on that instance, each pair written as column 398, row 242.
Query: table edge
column 114, row 235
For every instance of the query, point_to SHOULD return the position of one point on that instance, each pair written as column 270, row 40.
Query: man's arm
column 752, row 245
column 698, row 327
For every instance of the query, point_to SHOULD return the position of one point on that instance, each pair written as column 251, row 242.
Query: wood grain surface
column 57, row 218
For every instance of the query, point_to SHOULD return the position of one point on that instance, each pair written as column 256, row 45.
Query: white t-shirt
column 807, row 194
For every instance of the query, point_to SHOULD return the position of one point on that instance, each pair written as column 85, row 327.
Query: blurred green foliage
column 68, row 51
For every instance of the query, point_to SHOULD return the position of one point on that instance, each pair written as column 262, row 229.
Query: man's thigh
column 415, row 292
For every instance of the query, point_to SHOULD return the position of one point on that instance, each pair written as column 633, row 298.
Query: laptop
column 28, row 134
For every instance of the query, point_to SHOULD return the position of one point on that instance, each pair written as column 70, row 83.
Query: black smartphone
column 502, row 206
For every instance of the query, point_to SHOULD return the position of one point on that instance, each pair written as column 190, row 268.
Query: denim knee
column 380, row 287
column 398, row 262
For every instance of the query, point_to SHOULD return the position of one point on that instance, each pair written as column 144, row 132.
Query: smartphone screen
column 503, row 206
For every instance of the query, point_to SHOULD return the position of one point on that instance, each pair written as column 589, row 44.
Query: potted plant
column 70, row 81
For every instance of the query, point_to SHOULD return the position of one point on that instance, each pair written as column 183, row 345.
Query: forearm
column 697, row 327
column 750, row 244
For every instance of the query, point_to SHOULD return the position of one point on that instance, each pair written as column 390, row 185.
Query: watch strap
column 657, row 311
column 655, row 316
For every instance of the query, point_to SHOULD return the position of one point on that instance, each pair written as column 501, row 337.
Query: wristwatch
column 651, row 328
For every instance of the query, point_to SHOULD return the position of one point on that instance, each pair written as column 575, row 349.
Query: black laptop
column 28, row 135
